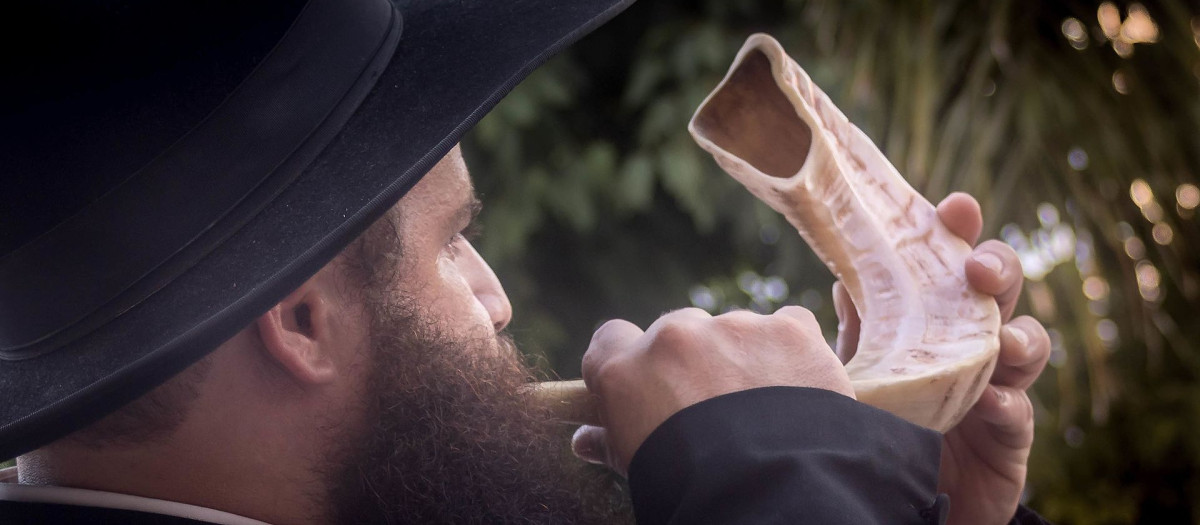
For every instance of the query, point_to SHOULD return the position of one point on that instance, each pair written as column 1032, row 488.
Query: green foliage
column 600, row 206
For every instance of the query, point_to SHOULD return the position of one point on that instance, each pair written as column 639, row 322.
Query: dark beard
column 449, row 438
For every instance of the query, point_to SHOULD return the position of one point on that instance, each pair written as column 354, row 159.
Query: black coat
column 18, row 513
column 790, row 455
column 768, row 455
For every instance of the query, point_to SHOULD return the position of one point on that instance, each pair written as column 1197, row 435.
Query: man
column 236, row 290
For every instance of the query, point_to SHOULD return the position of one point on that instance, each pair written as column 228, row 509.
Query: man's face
column 449, row 434
column 439, row 269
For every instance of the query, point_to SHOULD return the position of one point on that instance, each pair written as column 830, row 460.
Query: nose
column 486, row 287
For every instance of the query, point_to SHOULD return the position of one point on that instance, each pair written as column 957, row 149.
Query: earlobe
column 295, row 335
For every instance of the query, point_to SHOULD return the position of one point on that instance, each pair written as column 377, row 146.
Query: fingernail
column 990, row 261
column 585, row 447
column 1018, row 334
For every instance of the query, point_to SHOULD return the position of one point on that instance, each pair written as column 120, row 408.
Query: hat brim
column 435, row 88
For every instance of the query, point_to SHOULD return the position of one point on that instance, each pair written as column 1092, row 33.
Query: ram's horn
column 928, row 342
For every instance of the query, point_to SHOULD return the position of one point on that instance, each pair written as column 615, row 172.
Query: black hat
column 171, row 170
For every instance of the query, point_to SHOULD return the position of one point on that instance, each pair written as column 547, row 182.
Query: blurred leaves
column 600, row 206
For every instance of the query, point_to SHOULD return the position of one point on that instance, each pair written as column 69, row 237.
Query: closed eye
column 468, row 234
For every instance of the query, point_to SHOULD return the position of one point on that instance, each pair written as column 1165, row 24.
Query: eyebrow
column 469, row 211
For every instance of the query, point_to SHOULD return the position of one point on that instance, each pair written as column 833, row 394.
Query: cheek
column 454, row 301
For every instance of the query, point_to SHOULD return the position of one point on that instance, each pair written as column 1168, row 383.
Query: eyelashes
column 468, row 234
column 472, row 232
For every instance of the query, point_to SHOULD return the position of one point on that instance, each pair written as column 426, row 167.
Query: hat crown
column 105, row 87
column 135, row 160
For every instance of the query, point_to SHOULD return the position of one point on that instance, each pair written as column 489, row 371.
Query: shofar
column 928, row 342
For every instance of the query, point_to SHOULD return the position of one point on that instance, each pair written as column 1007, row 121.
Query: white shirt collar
column 10, row 490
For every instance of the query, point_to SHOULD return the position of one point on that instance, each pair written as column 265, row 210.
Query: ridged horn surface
column 928, row 341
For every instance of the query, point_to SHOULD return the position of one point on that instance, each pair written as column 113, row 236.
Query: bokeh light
column 1134, row 248
column 1044, row 248
column 768, row 234
column 1196, row 31
column 703, row 297
column 1148, row 280
column 1110, row 20
column 775, row 289
column 1138, row 27
column 1077, row 158
column 1187, row 196
column 1162, row 233
column 1047, row 215
column 1143, row 196
column 1140, row 192
column 1058, row 354
column 1152, row 212
column 1085, row 260
column 1120, row 83
column 1095, row 288
column 1076, row 34
column 812, row 300
column 1108, row 332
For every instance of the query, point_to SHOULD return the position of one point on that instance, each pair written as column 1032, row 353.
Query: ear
column 299, row 334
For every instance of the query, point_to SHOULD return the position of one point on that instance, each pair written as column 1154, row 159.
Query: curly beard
column 450, row 438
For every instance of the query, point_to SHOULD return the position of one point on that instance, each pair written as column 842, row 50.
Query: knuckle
column 611, row 339
column 601, row 376
column 599, row 336
column 799, row 323
column 592, row 369
column 800, row 314
column 1039, row 338
column 737, row 319
column 1033, row 327
column 674, row 335
column 589, row 364
column 998, row 247
column 689, row 312
column 1012, row 272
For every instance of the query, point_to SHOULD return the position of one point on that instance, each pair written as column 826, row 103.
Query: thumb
column 590, row 443
column 848, row 323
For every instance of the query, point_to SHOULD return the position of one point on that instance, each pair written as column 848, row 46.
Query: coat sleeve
column 787, row 455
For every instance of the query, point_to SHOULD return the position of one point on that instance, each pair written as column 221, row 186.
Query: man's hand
column 984, row 457
column 688, row 356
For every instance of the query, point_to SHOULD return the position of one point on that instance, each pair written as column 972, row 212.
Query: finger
column 994, row 269
column 804, row 326
column 1024, row 351
column 590, row 444
column 801, row 314
column 961, row 215
column 612, row 338
column 690, row 313
column 848, row 323
column 730, row 318
column 1008, row 414
column 684, row 315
